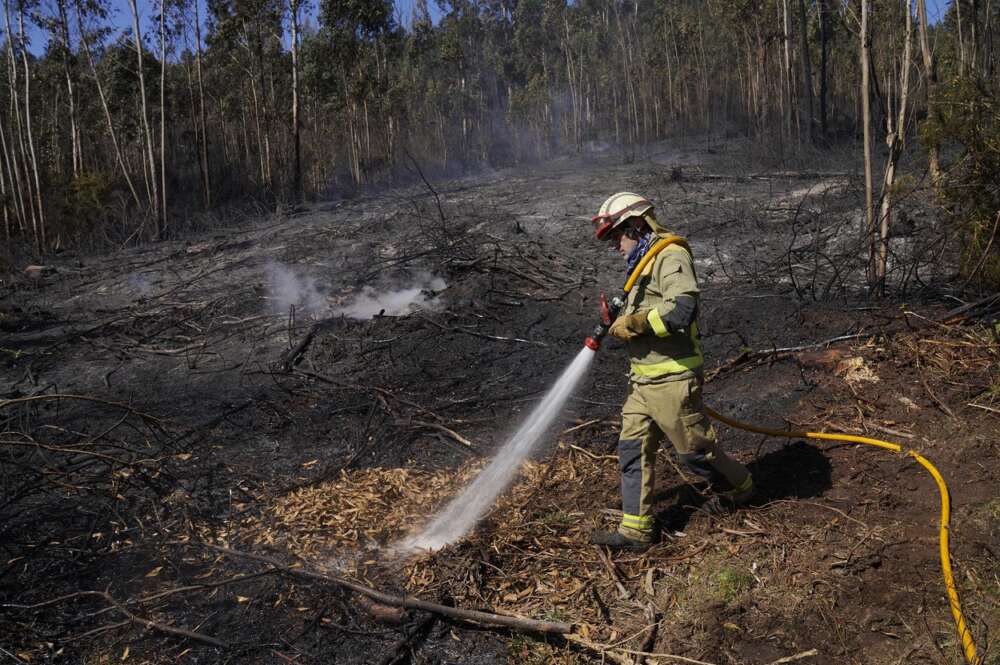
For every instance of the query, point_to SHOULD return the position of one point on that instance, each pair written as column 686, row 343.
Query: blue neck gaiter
column 638, row 252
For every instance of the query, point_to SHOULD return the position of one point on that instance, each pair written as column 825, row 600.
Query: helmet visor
column 606, row 222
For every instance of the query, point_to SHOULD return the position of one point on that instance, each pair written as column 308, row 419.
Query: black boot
column 616, row 541
column 728, row 501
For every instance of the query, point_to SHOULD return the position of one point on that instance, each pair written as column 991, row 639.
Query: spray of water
column 468, row 508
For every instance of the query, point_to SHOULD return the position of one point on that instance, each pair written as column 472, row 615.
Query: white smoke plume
column 285, row 289
column 141, row 284
column 420, row 295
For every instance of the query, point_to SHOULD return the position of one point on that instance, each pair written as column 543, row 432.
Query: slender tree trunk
column 823, row 37
column 866, row 120
column 807, row 95
column 74, row 131
column 894, row 139
column 297, row 178
column 4, row 179
column 154, row 197
column 787, row 91
column 930, row 86
column 104, row 106
column 40, row 239
column 15, row 154
column 163, row 116
column 961, row 39
column 205, row 173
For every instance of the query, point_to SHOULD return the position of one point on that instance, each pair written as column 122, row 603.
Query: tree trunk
column 154, row 197
column 5, row 177
column 807, row 95
column 787, row 89
column 930, row 86
column 163, row 115
column 74, row 131
column 961, row 40
column 297, row 177
column 205, row 177
column 15, row 154
column 104, row 105
column 40, row 239
column 823, row 37
column 866, row 120
column 894, row 139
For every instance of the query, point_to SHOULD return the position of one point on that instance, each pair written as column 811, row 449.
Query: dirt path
column 239, row 404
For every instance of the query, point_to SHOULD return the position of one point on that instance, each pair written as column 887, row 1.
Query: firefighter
column 658, row 326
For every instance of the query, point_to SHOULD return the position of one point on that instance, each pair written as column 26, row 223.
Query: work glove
column 628, row 326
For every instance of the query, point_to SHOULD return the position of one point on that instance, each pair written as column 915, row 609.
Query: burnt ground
column 156, row 401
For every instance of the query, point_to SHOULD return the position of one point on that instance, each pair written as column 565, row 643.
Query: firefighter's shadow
column 795, row 471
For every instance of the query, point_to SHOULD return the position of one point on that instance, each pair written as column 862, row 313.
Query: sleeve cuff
column 656, row 323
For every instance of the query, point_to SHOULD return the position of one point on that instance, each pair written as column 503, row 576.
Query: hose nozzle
column 609, row 312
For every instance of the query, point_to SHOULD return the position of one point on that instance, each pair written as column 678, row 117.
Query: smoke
column 421, row 295
column 141, row 284
column 286, row 289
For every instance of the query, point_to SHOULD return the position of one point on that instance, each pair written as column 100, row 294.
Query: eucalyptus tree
column 149, row 162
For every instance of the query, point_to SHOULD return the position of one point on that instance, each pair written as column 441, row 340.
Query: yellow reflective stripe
column 640, row 522
column 668, row 366
column 745, row 486
column 656, row 323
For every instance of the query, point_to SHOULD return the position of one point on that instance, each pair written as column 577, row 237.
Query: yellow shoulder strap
column 657, row 247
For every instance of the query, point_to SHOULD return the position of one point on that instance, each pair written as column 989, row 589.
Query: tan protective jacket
column 664, row 355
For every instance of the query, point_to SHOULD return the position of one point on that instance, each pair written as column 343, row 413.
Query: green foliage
column 732, row 582
column 970, row 120
column 85, row 204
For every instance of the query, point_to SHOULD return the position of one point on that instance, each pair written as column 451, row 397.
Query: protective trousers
column 673, row 408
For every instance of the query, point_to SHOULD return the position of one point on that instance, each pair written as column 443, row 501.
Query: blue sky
column 122, row 15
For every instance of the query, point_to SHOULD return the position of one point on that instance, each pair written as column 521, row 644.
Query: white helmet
column 618, row 209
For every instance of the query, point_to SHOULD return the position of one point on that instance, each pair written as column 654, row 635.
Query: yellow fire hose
column 968, row 645
column 965, row 636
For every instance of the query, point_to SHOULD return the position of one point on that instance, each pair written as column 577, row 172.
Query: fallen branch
column 923, row 380
column 450, row 432
column 407, row 644
column 292, row 357
column 410, row 603
column 36, row 398
column 984, row 408
column 620, row 655
column 135, row 618
column 956, row 315
column 479, row 334
column 798, row 656
column 986, row 252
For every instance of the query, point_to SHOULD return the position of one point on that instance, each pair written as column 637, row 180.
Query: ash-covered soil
column 159, row 401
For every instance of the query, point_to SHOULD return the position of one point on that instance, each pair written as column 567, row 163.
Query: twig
column 410, row 603
column 450, row 432
column 610, row 652
column 984, row 408
column 798, row 656
column 986, row 252
column 592, row 455
column 437, row 199
column 923, row 380
column 955, row 315
column 397, row 652
column 581, row 426
column 33, row 398
column 613, row 573
column 292, row 356
column 135, row 618
column 479, row 334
